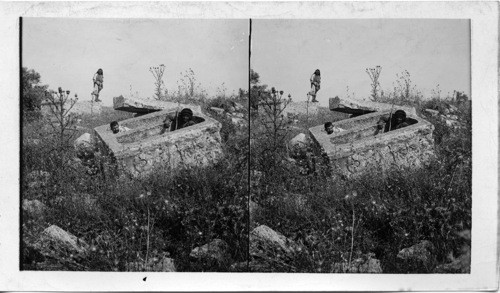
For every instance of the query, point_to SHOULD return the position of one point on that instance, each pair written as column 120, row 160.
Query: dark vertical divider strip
column 249, row 150
column 20, row 141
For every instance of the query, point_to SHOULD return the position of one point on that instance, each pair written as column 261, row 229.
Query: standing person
column 315, row 84
column 98, row 84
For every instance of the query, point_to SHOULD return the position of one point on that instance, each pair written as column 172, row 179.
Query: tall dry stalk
column 352, row 236
column 374, row 74
column 61, row 120
column 157, row 72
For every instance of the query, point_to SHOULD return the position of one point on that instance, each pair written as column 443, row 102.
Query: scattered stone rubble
column 55, row 241
column 34, row 207
column 86, row 150
column 84, row 144
column 421, row 252
column 270, row 250
column 448, row 115
column 214, row 253
column 234, row 113
column 299, row 143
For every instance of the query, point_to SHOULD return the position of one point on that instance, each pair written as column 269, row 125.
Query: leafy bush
column 33, row 93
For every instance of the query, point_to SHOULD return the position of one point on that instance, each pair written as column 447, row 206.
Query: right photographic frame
column 361, row 146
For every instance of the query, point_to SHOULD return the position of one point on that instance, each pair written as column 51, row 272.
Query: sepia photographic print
column 261, row 146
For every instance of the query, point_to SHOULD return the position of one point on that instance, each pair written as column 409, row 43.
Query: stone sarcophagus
column 149, row 143
column 356, row 146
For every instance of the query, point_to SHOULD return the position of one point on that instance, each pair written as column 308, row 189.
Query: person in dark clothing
column 181, row 120
column 315, row 84
column 393, row 122
column 186, row 118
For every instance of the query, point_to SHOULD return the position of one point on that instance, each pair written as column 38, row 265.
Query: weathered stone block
column 55, row 240
column 359, row 148
column 360, row 107
column 144, row 106
column 148, row 143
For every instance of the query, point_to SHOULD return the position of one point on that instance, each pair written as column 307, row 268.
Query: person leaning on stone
column 116, row 128
column 392, row 122
column 186, row 118
column 183, row 119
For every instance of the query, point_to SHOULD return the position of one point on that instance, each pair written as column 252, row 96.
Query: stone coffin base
column 356, row 149
column 147, row 145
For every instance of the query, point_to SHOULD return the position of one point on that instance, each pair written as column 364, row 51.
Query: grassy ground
column 128, row 220
column 172, row 211
column 338, row 221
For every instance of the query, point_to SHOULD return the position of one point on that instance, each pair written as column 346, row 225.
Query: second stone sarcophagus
column 148, row 143
column 357, row 146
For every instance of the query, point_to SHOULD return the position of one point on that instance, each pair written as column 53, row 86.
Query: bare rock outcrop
column 56, row 241
column 267, row 243
column 214, row 253
column 420, row 254
column 34, row 207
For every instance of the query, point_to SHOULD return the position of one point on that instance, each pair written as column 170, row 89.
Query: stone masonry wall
column 364, row 151
column 148, row 145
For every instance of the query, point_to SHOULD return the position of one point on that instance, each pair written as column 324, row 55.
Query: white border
column 484, row 276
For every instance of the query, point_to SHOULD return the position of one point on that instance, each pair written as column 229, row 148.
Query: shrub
column 33, row 93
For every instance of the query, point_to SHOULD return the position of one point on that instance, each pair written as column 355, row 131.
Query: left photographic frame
column 134, row 144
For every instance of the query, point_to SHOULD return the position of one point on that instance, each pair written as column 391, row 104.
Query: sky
column 68, row 51
column 286, row 52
